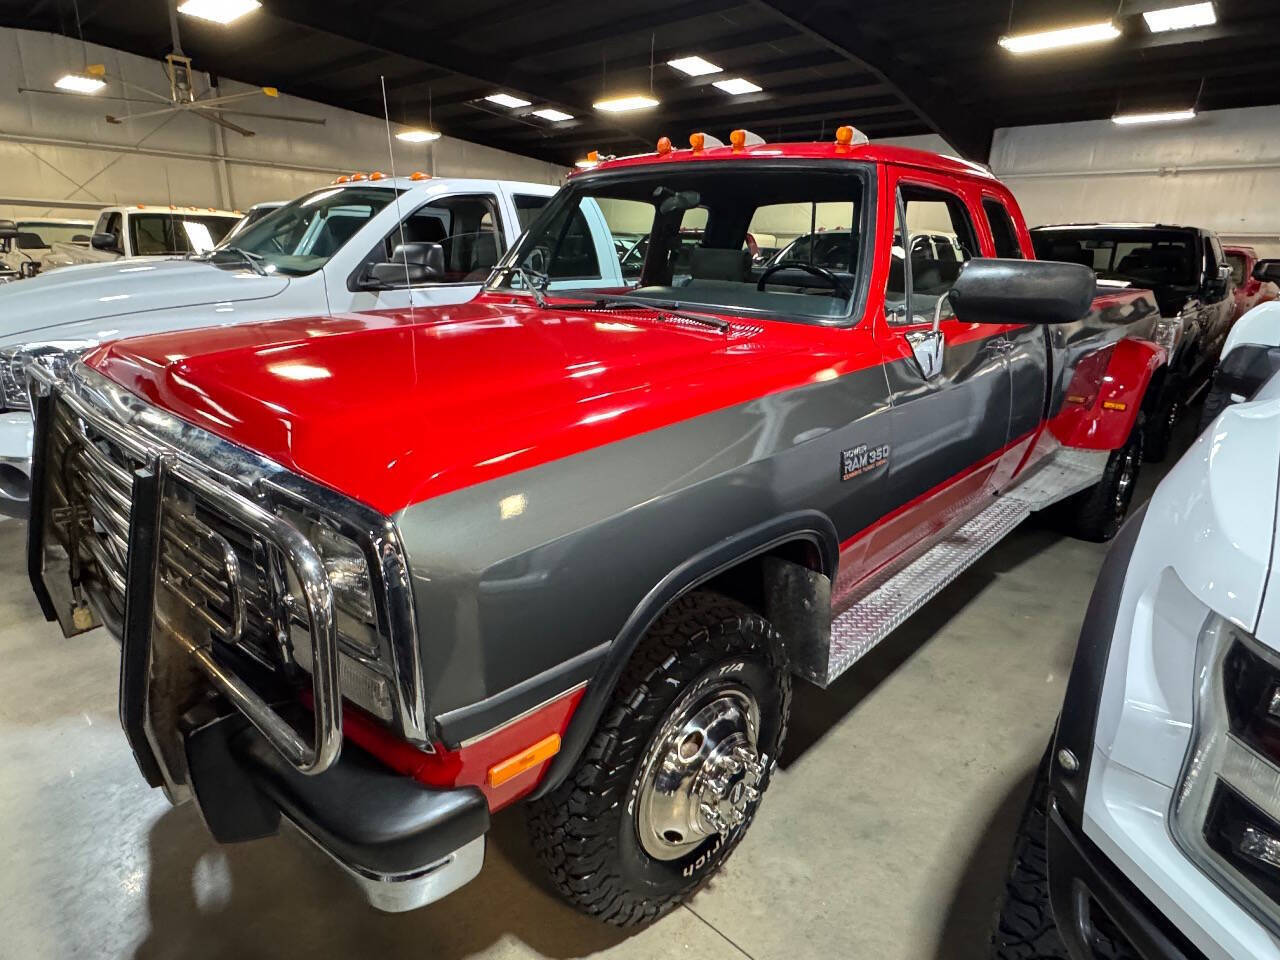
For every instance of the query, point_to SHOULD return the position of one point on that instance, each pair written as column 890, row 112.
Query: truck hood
column 393, row 408
column 99, row 291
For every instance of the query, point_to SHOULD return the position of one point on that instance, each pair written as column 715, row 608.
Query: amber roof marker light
column 847, row 136
column 664, row 146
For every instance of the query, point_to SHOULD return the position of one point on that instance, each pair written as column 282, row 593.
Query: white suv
column 1154, row 828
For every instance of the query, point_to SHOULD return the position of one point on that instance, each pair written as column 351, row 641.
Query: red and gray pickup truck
column 385, row 574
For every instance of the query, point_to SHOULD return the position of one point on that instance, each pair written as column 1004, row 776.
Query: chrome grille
column 219, row 572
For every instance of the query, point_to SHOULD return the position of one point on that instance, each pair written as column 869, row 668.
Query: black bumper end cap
column 368, row 817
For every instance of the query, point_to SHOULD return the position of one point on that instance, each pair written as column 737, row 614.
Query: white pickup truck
column 330, row 251
column 123, row 233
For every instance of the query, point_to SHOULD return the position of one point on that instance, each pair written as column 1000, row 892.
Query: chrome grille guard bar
column 162, row 464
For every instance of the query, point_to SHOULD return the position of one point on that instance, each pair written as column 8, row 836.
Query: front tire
column 674, row 772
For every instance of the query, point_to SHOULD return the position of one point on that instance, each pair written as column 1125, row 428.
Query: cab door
column 949, row 384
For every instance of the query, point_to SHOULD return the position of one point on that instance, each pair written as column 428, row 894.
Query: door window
column 113, row 227
column 933, row 239
column 468, row 228
column 528, row 206
column 1002, row 229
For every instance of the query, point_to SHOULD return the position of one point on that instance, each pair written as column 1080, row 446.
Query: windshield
column 50, row 233
column 1144, row 257
column 157, row 234
column 248, row 220
column 686, row 234
column 301, row 236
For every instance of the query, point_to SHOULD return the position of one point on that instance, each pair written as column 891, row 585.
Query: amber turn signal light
column 512, row 767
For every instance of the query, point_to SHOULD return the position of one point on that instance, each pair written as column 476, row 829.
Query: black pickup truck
column 1187, row 271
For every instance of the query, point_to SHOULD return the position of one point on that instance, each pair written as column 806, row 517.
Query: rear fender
column 1106, row 394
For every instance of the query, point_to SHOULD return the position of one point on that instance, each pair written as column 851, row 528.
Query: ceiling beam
column 837, row 25
column 425, row 46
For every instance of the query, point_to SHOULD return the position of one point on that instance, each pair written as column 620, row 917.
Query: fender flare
column 811, row 525
column 1106, row 421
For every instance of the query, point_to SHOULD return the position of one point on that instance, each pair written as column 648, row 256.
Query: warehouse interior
column 898, row 799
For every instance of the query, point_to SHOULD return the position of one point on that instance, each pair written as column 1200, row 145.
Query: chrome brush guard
column 118, row 542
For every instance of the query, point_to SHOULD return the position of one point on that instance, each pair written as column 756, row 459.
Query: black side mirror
column 105, row 241
column 8, row 229
column 1022, row 291
column 410, row 264
column 1267, row 271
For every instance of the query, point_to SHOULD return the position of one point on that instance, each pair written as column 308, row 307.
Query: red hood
column 392, row 408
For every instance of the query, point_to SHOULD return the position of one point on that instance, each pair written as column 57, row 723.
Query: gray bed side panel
column 519, row 574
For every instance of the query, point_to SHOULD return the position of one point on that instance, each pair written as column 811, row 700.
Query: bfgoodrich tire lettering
column 586, row 832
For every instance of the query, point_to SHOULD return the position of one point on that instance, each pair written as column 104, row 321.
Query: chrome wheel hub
column 701, row 774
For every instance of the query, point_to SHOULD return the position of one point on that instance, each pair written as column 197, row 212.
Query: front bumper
column 405, row 845
column 15, row 462
column 1090, row 894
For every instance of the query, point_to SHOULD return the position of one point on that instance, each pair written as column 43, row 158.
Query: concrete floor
column 885, row 833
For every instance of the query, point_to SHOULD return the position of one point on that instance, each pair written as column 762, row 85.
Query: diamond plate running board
column 890, row 602
column 1066, row 472
column 856, row 631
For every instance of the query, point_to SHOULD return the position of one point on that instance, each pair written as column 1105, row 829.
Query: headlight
column 1226, row 809
column 57, row 355
column 348, row 571
column 1167, row 332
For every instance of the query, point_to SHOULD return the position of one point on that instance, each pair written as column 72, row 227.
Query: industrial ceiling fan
column 182, row 96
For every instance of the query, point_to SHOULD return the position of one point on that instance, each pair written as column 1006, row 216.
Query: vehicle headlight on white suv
column 1226, row 808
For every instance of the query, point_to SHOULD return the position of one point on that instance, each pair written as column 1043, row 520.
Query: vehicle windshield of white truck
column 161, row 234
column 48, row 233
column 300, row 237
column 691, row 227
column 1145, row 257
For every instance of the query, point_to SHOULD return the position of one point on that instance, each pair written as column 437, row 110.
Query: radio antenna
column 391, row 159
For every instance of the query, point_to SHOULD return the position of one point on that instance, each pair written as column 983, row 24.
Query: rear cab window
column 1003, row 231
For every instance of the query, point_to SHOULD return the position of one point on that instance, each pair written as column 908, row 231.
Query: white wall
column 1220, row 170
column 60, row 150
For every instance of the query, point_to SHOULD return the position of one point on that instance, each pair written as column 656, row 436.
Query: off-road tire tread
column 1025, row 928
column 570, row 828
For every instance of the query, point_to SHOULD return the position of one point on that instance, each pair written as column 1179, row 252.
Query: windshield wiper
column 666, row 310
column 528, row 276
column 252, row 259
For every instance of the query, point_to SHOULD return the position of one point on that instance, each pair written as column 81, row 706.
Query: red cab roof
column 866, row 153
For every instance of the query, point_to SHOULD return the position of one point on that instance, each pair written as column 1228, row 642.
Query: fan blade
column 221, row 121
column 318, row 121
column 144, row 115
column 229, row 98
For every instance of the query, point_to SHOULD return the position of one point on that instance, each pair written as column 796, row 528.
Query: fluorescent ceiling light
column 1163, row 116
column 80, row 83
column 1181, row 18
column 737, row 86
column 555, row 116
column 506, row 100
column 694, row 66
column 418, row 136
column 218, row 11
column 620, row 104
column 1065, row 37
